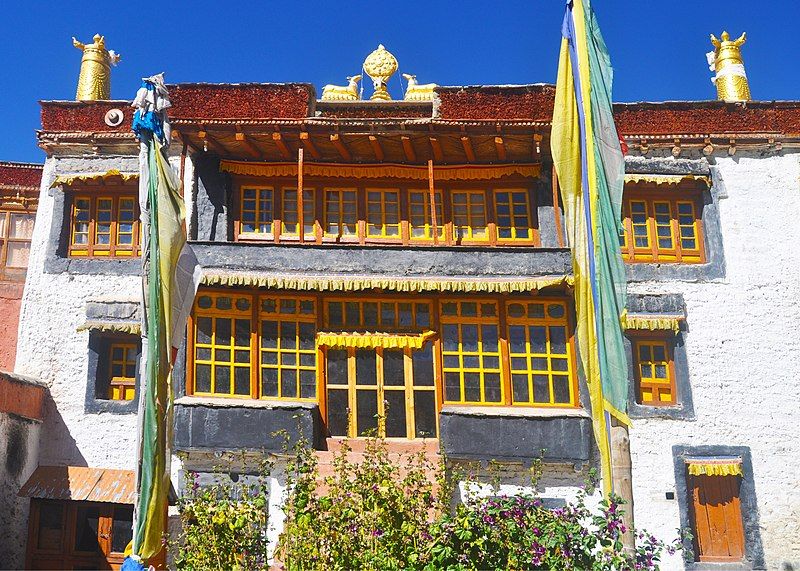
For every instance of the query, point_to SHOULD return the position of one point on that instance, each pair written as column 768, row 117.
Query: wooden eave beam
column 500, row 146
column 185, row 140
column 408, row 149
column 248, row 145
column 467, row 144
column 376, row 148
column 309, row 145
column 277, row 138
column 337, row 142
column 211, row 142
column 436, row 147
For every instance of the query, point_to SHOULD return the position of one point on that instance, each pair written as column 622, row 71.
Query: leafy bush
column 375, row 514
column 223, row 526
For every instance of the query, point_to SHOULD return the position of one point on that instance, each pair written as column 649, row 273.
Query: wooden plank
column 211, row 143
column 376, row 148
column 300, row 222
column 702, row 531
column 468, row 150
column 432, row 198
column 277, row 138
column 249, row 146
column 309, row 145
column 340, row 146
column 438, row 155
column 500, row 147
column 408, row 149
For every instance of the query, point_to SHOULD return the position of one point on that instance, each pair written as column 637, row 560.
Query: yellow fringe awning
column 666, row 178
column 645, row 322
column 714, row 467
column 372, row 340
column 397, row 284
column 384, row 170
column 131, row 327
column 70, row 179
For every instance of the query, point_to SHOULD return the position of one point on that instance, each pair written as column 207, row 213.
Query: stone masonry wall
column 743, row 354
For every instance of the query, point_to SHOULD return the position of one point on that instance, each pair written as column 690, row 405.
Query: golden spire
column 726, row 61
column 94, row 81
column 380, row 65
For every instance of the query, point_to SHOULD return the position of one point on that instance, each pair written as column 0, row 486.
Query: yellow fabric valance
column 714, row 467
column 131, row 327
column 652, row 322
column 70, row 179
column 666, row 178
column 371, row 340
column 399, row 284
column 385, row 170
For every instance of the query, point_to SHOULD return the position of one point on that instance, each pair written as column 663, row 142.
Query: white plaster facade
column 743, row 354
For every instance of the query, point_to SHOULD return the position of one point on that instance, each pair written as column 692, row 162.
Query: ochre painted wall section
column 10, row 300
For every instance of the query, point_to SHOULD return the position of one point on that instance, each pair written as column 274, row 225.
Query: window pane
column 20, row 226
column 86, row 524
column 337, row 367
column 395, row 410
column 422, row 363
column 18, row 253
column 122, row 530
column 393, row 367
column 366, row 371
column 425, row 414
column 337, row 412
column 51, row 516
column 366, row 411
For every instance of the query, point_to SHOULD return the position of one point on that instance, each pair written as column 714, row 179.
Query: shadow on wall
column 58, row 447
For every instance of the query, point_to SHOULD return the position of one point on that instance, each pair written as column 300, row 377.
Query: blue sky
column 657, row 47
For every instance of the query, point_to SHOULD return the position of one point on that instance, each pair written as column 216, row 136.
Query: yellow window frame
column 419, row 216
column 541, row 364
column 337, row 207
column 465, row 227
column 91, row 208
column 379, row 224
column 666, row 220
column 122, row 387
column 649, row 355
column 290, row 223
column 262, row 210
column 514, row 197
column 7, row 240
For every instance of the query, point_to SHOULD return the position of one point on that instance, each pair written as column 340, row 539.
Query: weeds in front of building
column 385, row 511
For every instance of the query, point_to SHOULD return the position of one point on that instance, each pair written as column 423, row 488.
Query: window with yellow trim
column 513, row 215
column 290, row 224
column 661, row 227
column 341, row 213
column 16, row 228
column 106, row 226
column 259, row 346
column 654, row 370
column 122, row 361
column 469, row 215
column 377, row 315
column 542, row 371
column 471, row 352
column 287, row 344
column 419, row 219
column 256, row 215
column 383, row 213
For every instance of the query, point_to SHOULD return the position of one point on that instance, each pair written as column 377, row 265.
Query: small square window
column 654, row 371
column 117, row 366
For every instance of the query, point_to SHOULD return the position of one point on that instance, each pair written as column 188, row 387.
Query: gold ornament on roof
column 347, row 92
column 94, row 81
column 726, row 61
column 380, row 65
column 416, row 91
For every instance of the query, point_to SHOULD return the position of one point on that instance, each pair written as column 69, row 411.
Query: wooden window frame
column 444, row 209
column 653, row 252
column 274, row 208
column 66, row 554
column 533, row 222
column 119, row 387
column 113, row 249
column 667, row 341
column 384, row 224
column 5, row 240
column 732, row 520
column 285, row 235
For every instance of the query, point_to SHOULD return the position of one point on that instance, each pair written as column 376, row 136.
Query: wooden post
column 621, row 478
column 301, row 234
column 557, row 211
column 432, row 191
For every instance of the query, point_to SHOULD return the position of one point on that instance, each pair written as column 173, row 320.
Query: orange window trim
column 650, row 390
column 99, row 218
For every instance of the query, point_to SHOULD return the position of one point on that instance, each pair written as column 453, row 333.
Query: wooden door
column 717, row 518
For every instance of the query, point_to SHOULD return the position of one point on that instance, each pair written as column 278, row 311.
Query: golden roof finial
column 380, row 65
column 726, row 61
column 94, row 81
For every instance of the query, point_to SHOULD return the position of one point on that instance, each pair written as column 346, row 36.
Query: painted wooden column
column 621, row 477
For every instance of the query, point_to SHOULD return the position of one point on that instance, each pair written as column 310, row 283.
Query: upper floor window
column 661, row 227
column 104, row 225
column 355, row 212
column 16, row 229
column 122, row 365
column 654, row 371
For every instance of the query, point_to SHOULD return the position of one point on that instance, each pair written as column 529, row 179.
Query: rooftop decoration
column 416, row 91
column 380, row 65
column 347, row 92
column 94, row 81
column 726, row 61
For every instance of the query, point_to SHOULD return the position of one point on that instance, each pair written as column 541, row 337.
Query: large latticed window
column 661, row 228
column 104, row 226
column 341, row 213
column 290, row 223
column 383, row 315
column 16, row 228
column 122, row 361
column 287, row 328
column 256, row 211
column 655, row 376
column 513, row 215
column 541, row 363
column 469, row 215
column 355, row 211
